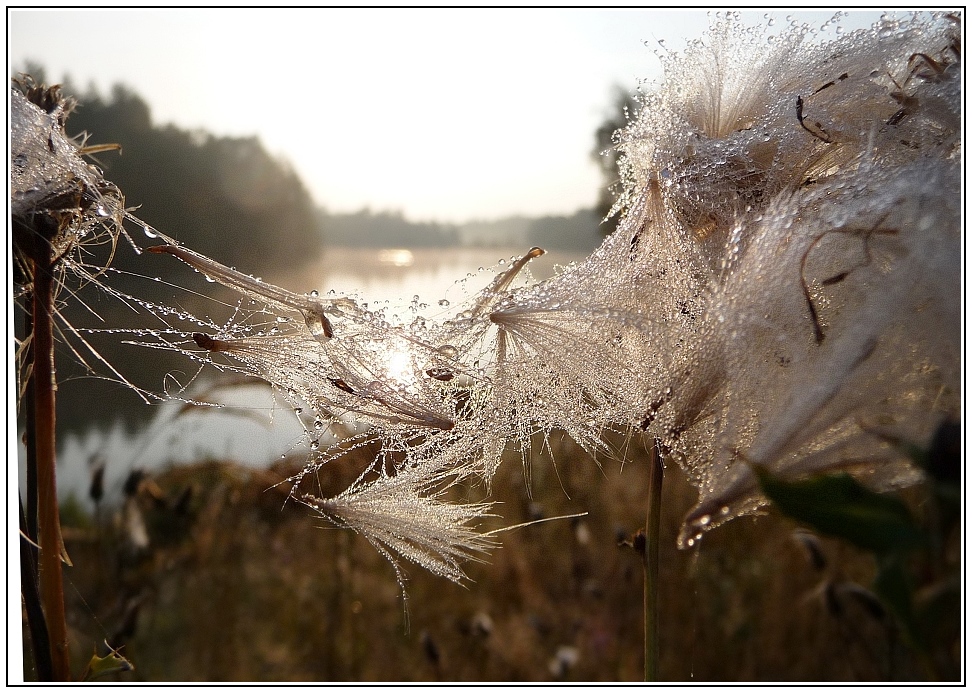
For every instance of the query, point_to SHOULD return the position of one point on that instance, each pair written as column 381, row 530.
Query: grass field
column 236, row 586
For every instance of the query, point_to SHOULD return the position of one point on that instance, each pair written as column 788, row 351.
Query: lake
column 255, row 427
column 400, row 273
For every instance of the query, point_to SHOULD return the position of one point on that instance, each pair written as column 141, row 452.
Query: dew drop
column 447, row 350
column 149, row 232
column 444, row 303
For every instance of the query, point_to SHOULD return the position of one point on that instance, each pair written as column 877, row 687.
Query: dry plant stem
column 30, row 443
column 39, row 637
column 51, row 584
column 40, row 642
column 650, row 557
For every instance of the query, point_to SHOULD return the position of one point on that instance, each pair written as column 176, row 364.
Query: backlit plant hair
column 781, row 292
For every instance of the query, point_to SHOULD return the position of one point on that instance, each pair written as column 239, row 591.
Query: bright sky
column 443, row 114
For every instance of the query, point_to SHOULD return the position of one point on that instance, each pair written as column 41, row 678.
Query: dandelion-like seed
column 404, row 514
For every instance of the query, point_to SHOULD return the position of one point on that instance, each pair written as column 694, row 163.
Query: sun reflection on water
column 397, row 257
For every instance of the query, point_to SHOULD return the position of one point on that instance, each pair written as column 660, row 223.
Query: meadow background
column 233, row 585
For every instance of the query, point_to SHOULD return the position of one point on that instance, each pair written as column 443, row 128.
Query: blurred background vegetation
column 207, row 574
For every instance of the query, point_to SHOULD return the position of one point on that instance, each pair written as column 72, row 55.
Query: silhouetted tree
column 386, row 230
column 224, row 196
column 623, row 108
column 578, row 232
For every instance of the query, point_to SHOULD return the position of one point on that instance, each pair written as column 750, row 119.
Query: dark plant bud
column 97, row 488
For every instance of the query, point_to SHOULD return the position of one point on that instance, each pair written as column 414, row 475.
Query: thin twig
column 650, row 558
column 30, row 443
column 39, row 639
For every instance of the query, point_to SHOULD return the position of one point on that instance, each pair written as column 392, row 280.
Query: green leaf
column 837, row 505
column 102, row 666
column 892, row 585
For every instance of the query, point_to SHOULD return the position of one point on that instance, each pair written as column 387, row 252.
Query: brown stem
column 39, row 639
column 30, row 442
column 652, row 530
column 49, row 523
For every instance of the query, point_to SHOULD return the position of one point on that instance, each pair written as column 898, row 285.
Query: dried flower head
column 66, row 217
column 782, row 291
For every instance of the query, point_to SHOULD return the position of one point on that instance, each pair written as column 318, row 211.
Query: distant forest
column 578, row 232
column 227, row 197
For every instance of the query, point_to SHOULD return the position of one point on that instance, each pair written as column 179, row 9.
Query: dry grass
column 237, row 587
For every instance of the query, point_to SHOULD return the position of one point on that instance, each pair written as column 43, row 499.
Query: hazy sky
column 442, row 114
